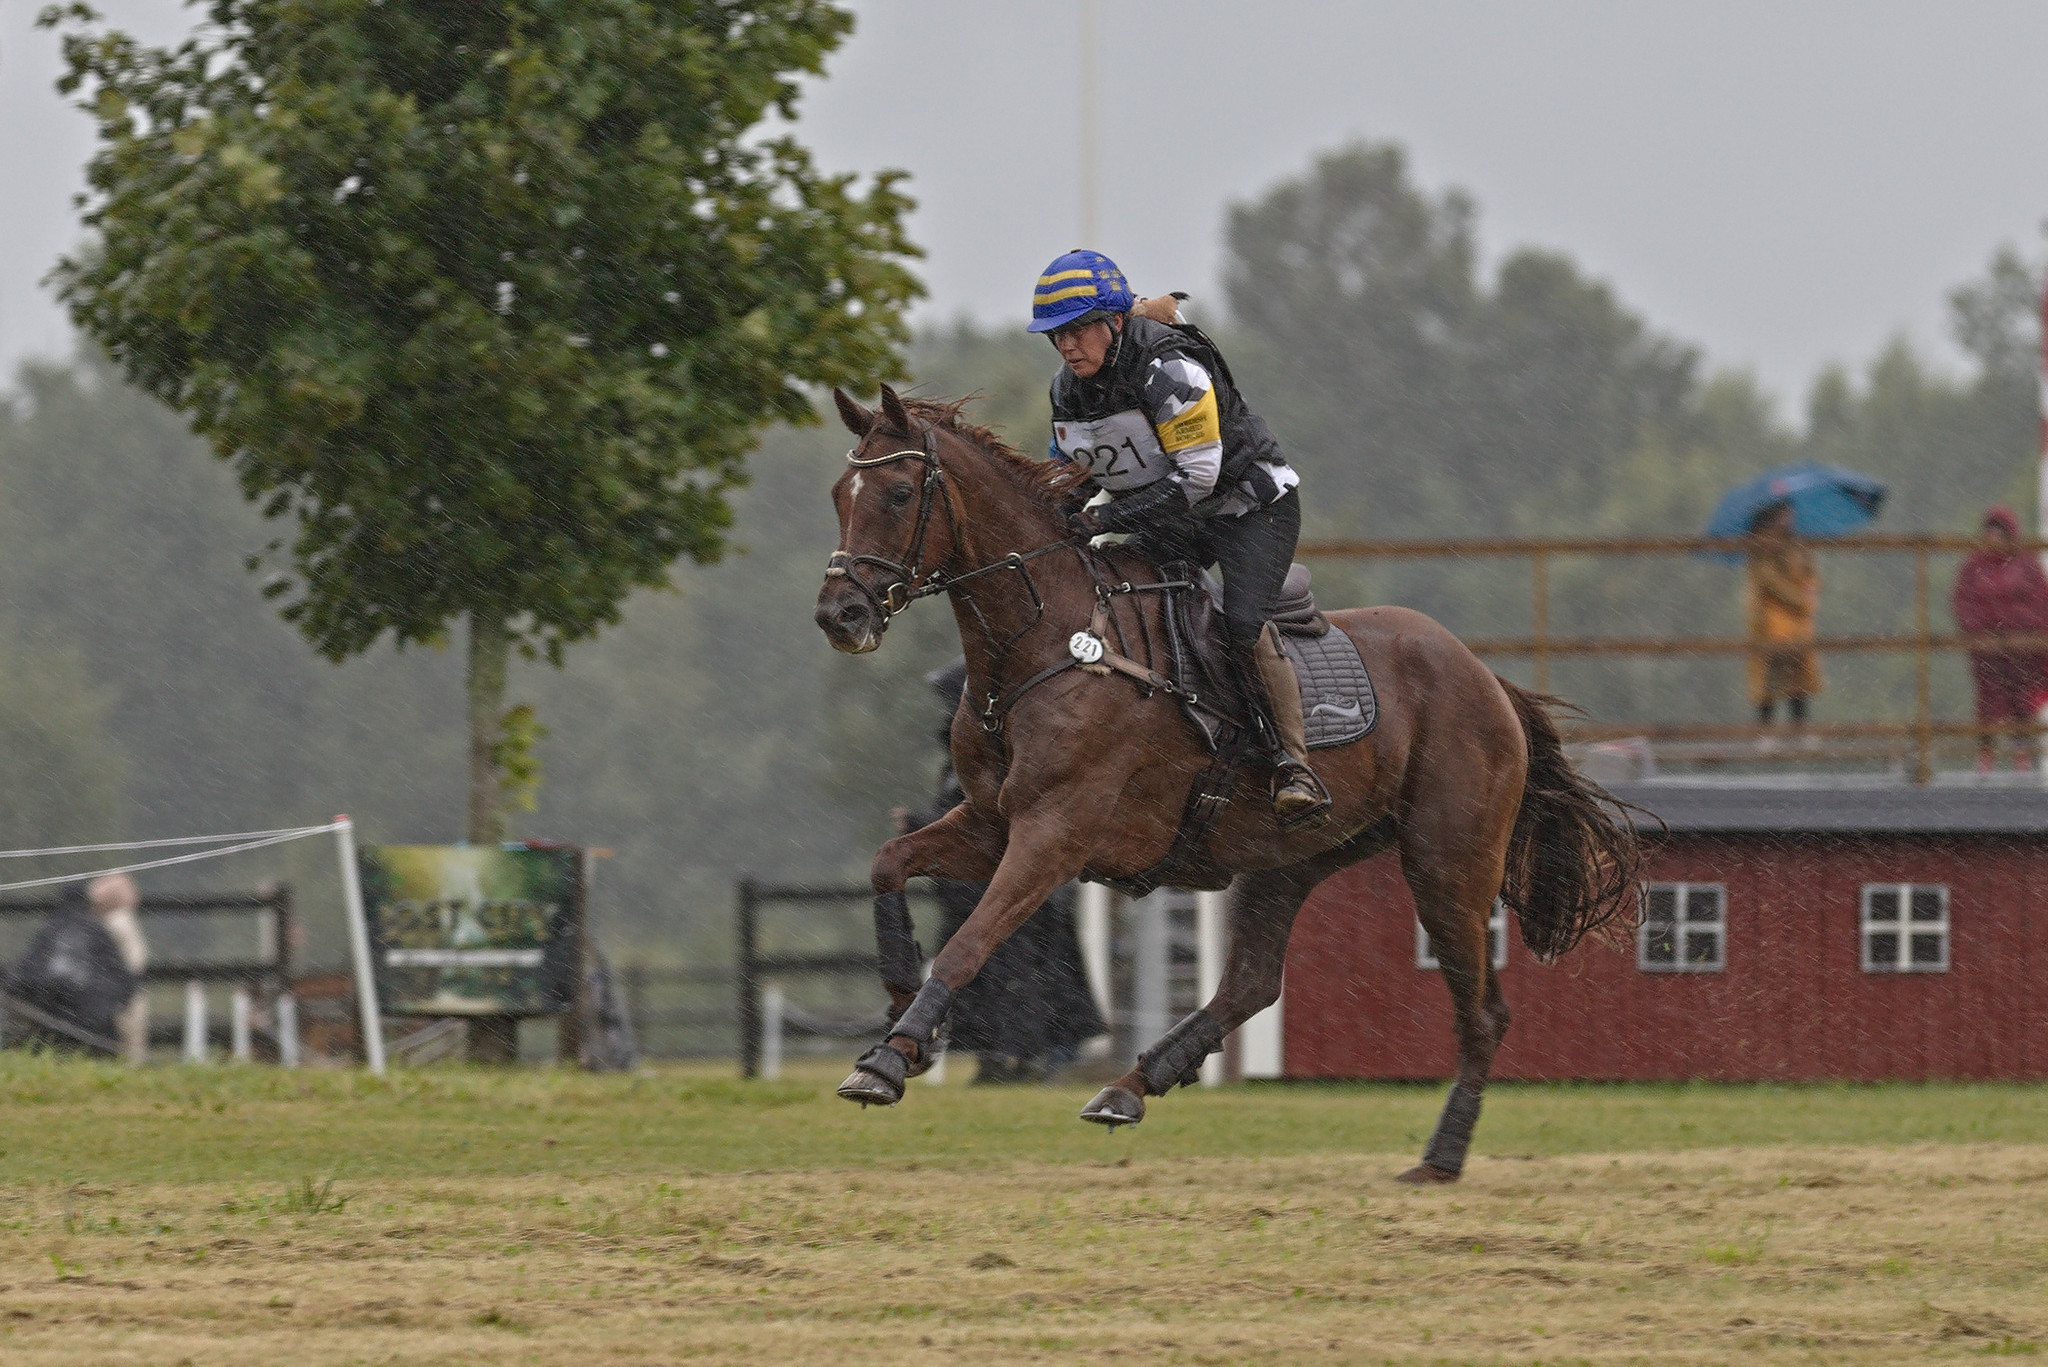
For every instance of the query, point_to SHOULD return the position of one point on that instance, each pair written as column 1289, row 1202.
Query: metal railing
column 751, row 898
column 1542, row 647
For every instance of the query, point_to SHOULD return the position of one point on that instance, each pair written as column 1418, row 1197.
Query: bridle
column 901, row 587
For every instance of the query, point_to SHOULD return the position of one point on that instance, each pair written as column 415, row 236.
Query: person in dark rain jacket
column 2001, row 591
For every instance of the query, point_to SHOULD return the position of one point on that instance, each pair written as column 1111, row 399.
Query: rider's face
column 1086, row 347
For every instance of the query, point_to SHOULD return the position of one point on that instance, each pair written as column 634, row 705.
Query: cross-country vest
column 1110, row 432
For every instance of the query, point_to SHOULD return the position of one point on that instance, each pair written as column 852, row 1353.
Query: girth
column 1089, row 652
column 1208, row 795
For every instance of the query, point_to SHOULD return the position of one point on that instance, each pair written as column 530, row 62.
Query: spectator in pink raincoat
column 2001, row 591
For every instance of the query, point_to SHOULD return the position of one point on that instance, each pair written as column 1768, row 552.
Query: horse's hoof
column 870, row 1089
column 1423, row 1175
column 1114, row 1106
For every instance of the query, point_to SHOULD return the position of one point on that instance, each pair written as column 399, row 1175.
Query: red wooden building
column 1791, row 933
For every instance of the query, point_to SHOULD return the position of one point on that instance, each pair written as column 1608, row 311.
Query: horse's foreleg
column 1040, row 854
column 959, row 845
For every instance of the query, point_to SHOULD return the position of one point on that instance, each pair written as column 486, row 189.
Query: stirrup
column 1292, row 778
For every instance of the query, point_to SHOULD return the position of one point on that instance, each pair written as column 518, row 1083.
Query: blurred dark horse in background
column 1069, row 774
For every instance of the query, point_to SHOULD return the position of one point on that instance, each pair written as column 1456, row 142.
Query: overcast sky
column 1784, row 184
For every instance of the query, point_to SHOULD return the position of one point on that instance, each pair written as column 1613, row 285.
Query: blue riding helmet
column 1076, row 285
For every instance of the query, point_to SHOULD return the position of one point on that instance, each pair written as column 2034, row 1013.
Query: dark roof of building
column 1841, row 809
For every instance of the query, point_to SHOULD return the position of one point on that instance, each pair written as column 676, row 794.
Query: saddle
column 1338, row 705
column 1197, row 664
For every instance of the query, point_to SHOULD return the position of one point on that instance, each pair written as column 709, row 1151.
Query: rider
column 1147, row 405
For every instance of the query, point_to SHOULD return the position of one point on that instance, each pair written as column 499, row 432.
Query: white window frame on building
column 1912, row 918
column 1688, row 928
column 1496, row 940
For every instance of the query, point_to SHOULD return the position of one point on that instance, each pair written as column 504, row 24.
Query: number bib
column 1121, row 451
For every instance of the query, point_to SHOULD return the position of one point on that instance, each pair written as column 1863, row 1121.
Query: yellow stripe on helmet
column 1065, row 275
column 1070, row 292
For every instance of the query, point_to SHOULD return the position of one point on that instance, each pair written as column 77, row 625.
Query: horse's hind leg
column 1262, row 911
column 1454, row 900
column 1263, row 906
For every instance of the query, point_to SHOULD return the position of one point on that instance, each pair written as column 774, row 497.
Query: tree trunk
column 492, row 1039
column 490, row 646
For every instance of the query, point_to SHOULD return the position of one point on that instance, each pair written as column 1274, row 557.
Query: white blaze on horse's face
column 881, row 538
column 844, row 613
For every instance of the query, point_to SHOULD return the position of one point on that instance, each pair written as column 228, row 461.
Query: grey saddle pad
column 1337, row 702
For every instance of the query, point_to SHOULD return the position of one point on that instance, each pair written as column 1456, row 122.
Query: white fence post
column 287, row 1030
column 936, row 1074
column 238, row 1025
column 771, row 1031
column 1261, row 1046
column 1151, row 1010
column 359, row 945
column 1094, row 934
column 195, row 1021
column 1212, row 941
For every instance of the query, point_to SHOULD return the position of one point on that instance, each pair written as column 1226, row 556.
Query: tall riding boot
column 1299, row 798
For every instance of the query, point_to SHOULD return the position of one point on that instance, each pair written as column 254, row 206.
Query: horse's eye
column 899, row 496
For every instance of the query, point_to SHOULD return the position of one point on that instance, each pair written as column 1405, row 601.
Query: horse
column 1073, row 773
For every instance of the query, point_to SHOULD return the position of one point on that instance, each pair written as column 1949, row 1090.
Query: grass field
column 229, row 1216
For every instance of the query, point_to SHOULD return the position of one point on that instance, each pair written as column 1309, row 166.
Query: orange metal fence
column 1541, row 646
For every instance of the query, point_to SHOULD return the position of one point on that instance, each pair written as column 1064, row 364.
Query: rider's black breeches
column 1253, row 552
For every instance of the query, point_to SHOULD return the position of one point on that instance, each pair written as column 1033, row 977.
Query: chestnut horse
column 1072, row 774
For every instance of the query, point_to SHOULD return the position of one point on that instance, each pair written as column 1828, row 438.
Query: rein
column 902, row 588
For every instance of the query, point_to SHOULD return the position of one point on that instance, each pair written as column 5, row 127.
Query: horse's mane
column 1045, row 480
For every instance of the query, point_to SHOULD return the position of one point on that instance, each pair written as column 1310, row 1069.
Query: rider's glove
column 1142, row 507
column 1081, row 521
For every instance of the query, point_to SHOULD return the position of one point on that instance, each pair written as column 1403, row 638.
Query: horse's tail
column 1573, row 859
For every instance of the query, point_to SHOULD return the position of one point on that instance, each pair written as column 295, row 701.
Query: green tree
column 1559, row 383
column 1946, row 444
column 489, row 300
column 64, row 767
column 1416, row 396
column 1348, row 288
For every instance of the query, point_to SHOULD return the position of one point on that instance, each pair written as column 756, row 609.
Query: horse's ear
column 894, row 413
column 858, row 420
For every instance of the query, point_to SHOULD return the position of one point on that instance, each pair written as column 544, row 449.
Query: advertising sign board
column 462, row 930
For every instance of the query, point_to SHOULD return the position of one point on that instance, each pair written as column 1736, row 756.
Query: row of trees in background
column 1430, row 401
column 1421, row 398
column 711, row 730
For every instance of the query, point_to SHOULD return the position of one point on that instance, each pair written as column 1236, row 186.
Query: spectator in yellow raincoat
column 1782, row 593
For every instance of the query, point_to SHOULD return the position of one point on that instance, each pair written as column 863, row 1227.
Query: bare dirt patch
column 1782, row 1254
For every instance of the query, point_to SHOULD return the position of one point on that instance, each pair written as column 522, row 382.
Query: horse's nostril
column 851, row 614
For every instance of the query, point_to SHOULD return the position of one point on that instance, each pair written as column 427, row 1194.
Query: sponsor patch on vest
column 1198, row 425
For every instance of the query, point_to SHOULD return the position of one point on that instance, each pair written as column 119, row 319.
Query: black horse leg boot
column 1299, row 798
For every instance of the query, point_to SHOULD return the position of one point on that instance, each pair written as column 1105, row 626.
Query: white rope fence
column 246, row 840
column 240, row 842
